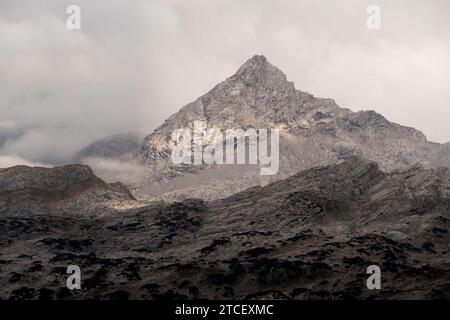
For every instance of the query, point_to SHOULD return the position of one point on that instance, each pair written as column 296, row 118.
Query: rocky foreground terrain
column 310, row 236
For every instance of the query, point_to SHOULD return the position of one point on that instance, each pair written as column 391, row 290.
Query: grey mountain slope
column 310, row 236
column 314, row 131
column 113, row 146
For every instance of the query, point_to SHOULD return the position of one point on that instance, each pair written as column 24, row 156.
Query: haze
column 134, row 63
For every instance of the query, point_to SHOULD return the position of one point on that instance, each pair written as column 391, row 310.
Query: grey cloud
column 135, row 63
column 10, row 161
column 124, row 170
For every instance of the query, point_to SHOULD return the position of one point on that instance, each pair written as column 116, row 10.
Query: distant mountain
column 311, row 236
column 313, row 131
column 111, row 147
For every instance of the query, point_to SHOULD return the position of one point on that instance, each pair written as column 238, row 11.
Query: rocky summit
column 313, row 131
column 353, row 191
column 114, row 146
column 310, row 236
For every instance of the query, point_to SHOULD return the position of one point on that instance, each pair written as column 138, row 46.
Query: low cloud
column 8, row 125
column 112, row 170
column 9, row 130
column 10, row 161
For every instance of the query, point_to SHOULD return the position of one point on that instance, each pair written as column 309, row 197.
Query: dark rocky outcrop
column 310, row 236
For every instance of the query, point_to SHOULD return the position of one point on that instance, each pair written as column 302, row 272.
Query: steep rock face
column 68, row 187
column 311, row 236
column 313, row 131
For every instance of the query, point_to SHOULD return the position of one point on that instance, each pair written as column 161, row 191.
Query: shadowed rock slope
column 310, row 236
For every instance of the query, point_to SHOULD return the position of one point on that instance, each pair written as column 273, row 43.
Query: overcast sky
column 133, row 63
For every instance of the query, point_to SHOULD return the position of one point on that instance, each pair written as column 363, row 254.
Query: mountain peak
column 259, row 71
column 255, row 62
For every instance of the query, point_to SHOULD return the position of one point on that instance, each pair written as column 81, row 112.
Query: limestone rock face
column 314, row 131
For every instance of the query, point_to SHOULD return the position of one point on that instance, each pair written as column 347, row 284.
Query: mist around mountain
column 313, row 131
column 114, row 146
column 112, row 158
